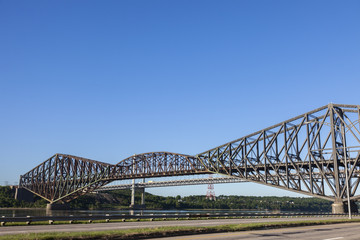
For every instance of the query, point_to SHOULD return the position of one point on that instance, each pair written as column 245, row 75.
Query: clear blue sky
column 107, row 79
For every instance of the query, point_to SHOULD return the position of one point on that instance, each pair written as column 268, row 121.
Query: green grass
column 98, row 221
column 145, row 220
column 141, row 220
column 142, row 233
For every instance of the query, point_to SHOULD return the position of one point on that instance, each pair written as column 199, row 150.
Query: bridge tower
column 210, row 194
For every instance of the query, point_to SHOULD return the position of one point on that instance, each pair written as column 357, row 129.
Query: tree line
column 120, row 199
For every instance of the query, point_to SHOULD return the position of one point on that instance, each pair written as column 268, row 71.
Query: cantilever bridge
column 316, row 153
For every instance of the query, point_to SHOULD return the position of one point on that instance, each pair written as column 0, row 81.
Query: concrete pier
column 132, row 202
column 338, row 207
column 342, row 207
column 142, row 196
column 57, row 206
column 133, row 205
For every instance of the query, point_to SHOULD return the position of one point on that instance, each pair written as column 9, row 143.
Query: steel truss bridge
column 170, row 183
column 316, row 153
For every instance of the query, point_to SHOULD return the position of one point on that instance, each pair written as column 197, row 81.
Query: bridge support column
column 132, row 202
column 342, row 207
column 142, row 197
column 133, row 205
column 57, row 206
column 338, row 207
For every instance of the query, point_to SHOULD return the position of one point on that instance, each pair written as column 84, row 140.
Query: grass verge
column 143, row 233
column 127, row 220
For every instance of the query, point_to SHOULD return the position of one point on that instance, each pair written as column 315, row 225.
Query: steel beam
column 310, row 154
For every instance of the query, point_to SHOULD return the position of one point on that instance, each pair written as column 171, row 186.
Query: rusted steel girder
column 157, row 164
column 65, row 177
column 311, row 154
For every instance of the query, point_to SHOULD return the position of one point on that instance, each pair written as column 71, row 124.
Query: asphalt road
column 343, row 231
column 131, row 225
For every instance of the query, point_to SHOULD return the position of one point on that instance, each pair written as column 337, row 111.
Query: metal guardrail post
column 28, row 222
column 107, row 217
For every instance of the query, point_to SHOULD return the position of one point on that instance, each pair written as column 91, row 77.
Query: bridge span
column 316, row 153
column 170, row 183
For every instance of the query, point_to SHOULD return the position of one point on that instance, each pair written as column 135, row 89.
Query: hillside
column 120, row 199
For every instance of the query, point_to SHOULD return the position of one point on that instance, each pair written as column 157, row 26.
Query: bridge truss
column 65, row 177
column 316, row 153
column 310, row 154
column 170, row 183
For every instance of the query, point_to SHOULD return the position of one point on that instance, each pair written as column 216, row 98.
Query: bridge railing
column 150, row 217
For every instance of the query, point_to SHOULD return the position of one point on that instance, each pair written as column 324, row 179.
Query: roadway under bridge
column 316, row 153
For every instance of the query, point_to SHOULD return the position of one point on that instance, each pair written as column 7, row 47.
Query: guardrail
column 107, row 217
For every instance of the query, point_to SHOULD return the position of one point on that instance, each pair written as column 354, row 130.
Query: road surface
column 342, row 231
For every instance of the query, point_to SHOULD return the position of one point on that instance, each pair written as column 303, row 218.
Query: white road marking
column 334, row 238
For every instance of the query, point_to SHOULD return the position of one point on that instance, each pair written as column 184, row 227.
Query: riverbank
column 25, row 208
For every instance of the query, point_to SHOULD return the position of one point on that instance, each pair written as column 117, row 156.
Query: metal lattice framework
column 170, row 183
column 65, row 177
column 313, row 154
column 157, row 164
column 310, row 154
